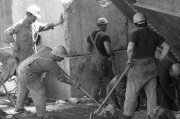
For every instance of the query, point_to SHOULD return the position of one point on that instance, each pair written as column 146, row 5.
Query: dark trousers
column 164, row 100
column 105, row 74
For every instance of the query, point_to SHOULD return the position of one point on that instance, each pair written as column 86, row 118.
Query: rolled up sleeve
column 8, row 33
column 43, row 26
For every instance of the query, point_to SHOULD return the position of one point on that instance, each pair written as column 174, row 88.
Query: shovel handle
column 81, row 88
column 126, row 70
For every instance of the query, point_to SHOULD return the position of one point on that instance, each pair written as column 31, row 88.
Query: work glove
column 77, row 85
column 108, row 111
column 129, row 62
column 113, row 58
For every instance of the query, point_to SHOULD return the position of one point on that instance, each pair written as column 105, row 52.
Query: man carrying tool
column 26, row 32
column 98, row 43
column 143, row 72
column 29, row 77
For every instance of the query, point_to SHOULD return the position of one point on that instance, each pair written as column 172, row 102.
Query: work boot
column 126, row 117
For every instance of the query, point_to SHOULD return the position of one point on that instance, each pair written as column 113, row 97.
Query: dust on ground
column 72, row 109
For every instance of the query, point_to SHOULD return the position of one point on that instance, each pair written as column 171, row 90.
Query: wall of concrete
column 82, row 71
column 83, row 22
column 72, row 34
column 5, row 18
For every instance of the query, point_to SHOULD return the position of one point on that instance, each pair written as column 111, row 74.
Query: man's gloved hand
column 77, row 85
column 129, row 62
column 109, row 111
column 113, row 58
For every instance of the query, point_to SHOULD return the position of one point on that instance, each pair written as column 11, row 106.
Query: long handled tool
column 81, row 88
column 126, row 70
column 8, row 95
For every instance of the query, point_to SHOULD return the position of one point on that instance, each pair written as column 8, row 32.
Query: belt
column 144, row 61
column 31, row 74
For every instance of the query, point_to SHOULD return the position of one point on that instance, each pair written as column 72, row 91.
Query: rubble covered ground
column 73, row 108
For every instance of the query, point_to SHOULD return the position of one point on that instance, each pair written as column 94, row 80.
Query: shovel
column 109, row 94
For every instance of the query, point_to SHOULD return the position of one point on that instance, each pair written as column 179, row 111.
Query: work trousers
column 103, row 68
column 141, row 74
column 37, row 91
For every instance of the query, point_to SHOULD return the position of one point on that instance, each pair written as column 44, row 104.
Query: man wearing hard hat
column 29, row 77
column 98, row 43
column 26, row 32
column 143, row 72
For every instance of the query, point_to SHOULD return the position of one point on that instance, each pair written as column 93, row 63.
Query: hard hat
column 35, row 10
column 102, row 20
column 138, row 18
column 60, row 51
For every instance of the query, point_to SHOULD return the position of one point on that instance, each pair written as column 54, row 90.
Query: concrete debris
column 60, row 102
column 9, row 116
column 177, row 116
column 79, row 100
column 117, row 115
column 73, row 100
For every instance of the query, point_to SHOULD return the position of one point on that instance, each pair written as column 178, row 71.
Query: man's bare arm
column 109, row 49
column 130, row 51
column 165, row 51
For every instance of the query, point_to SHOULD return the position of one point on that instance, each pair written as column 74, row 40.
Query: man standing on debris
column 143, row 72
column 26, row 32
column 29, row 77
column 98, row 43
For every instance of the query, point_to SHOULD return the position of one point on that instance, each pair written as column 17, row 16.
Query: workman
column 26, row 33
column 29, row 77
column 143, row 72
column 98, row 44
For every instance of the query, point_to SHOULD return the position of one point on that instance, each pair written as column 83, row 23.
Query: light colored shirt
column 42, row 62
column 25, row 36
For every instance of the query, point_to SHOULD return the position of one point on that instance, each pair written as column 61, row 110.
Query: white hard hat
column 102, row 20
column 35, row 10
column 139, row 18
column 60, row 51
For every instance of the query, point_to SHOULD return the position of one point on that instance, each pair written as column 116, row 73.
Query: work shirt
column 41, row 62
column 25, row 36
column 101, row 38
column 145, row 41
